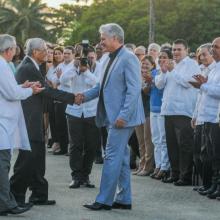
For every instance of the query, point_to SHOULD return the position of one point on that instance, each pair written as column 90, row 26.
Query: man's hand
column 28, row 84
column 120, row 123
column 79, row 98
column 36, row 89
column 200, row 79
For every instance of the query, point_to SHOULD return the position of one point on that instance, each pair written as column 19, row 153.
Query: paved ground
column 152, row 200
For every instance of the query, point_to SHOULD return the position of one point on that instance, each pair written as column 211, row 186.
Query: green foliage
column 24, row 19
column 194, row 20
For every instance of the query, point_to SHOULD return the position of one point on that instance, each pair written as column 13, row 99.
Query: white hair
column 113, row 30
column 154, row 46
column 34, row 44
column 142, row 48
column 6, row 41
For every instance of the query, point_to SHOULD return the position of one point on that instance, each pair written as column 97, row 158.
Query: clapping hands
column 79, row 99
column 200, row 79
column 36, row 86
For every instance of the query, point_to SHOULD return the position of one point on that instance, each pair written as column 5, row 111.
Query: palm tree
column 24, row 18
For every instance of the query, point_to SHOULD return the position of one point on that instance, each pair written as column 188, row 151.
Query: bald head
column 216, row 49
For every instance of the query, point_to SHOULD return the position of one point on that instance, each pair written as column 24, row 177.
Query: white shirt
column 63, row 85
column 13, row 133
column 179, row 97
column 210, row 97
column 79, row 84
column 205, row 72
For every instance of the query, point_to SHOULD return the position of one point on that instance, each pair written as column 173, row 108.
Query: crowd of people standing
column 174, row 135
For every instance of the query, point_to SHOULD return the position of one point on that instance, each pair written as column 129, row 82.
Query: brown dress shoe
column 156, row 171
column 161, row 174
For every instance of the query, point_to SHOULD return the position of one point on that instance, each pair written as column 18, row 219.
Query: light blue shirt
column 179, row 97
column 210, row 97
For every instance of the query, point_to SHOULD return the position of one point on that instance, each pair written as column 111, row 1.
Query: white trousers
column 159, row 141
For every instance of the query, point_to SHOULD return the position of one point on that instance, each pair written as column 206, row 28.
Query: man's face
column 68, row 55
column 40, row 54
column 179, row 52
column 153, row 52
column 216, row 49
column 98, row 52
column 107, row 43
column 91, row 57
column 139, row 53
column 9, row 53
column 205, row 57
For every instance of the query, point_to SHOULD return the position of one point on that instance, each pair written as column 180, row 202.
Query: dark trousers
column 52, row 121
column 84, row 137
column 197, row 146
column 134, row 153
column 61, row 126
column 7, row 200
column 212, row 135
column 179, row 136
column 29, row 171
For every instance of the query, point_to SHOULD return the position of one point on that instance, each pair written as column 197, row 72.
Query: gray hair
column 208, row 46
column 142, row 48
column 113, row 30
column 154, row 46
column 34, row 44
column 6, row 41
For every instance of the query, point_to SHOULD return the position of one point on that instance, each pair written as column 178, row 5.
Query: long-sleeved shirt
column 210, row 97
column 179, row 97
column 81, row 82
column 63, row 84
column 205, row 70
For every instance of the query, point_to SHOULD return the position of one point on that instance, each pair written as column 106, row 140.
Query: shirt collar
column 115, row 53
column 35, row 63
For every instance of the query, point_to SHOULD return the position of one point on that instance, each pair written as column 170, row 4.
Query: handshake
column 79, row 99
column 35, row 86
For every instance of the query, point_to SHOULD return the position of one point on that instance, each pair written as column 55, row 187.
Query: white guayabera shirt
column 13, row 131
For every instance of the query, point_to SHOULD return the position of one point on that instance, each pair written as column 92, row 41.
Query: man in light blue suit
column 120, row 109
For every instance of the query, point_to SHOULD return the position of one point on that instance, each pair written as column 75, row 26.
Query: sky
column 56, row 3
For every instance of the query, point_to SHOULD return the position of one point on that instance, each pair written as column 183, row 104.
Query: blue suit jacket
column 121, row 93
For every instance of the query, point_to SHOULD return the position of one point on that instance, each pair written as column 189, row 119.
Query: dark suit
column 29, row 169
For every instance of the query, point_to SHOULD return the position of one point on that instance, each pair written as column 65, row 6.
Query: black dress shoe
column 211, row 190
column 15, row 211
column 215, row 194
column 170, row 180
column 42, row 202
column 182, row 183
column 59, row 153
column 203, row 188
column 75, row 184
column 23, row 204
column 97, row 206
column 218, row 198
column 88, row 184
column 117, row 205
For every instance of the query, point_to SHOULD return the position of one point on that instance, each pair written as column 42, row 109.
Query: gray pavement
column 152, row 200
